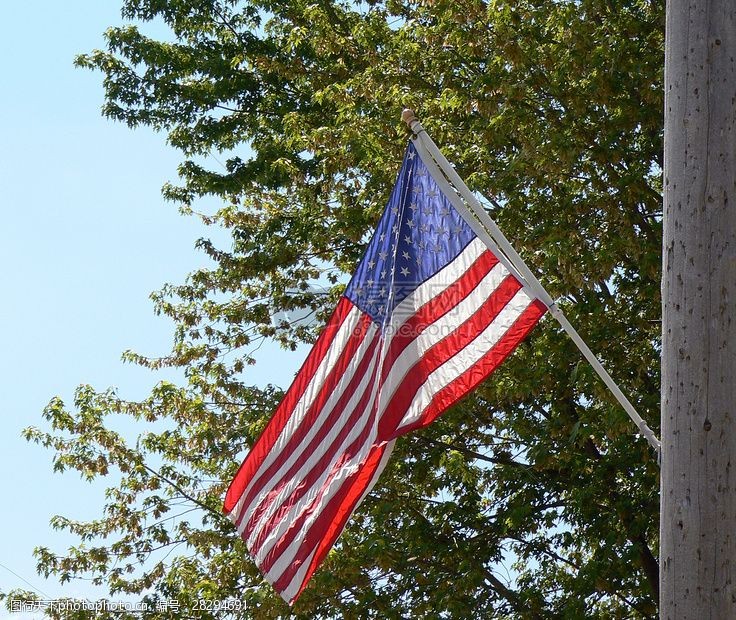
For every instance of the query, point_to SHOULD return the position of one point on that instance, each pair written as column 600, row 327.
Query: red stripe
column 328, row 526
column 326, row 427
column 368, row 416
column 442, row 351
column 344, row 458
column 326, row 388
column 467, row 381
column 273, row 429
column 439, row 306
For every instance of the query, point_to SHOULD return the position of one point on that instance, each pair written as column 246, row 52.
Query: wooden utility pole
column 698, row 491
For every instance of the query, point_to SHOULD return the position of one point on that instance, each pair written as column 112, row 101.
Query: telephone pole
column 698, row 485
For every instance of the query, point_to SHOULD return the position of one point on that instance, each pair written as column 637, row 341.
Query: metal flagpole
column 499, row 242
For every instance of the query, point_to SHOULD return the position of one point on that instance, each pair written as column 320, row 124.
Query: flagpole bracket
column 554, row 309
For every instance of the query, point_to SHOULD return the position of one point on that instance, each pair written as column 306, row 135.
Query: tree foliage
column 531, row 498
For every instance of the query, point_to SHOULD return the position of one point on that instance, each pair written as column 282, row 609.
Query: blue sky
column 85, row 238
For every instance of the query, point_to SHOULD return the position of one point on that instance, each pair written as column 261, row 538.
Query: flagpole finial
column 408, row 116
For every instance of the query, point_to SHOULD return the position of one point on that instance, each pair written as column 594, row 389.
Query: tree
column 530, row 499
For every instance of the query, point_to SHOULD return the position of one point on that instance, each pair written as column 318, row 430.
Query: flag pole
column 528, row 278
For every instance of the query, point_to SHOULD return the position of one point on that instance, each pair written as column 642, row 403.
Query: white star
column 432, row 192
column 444, row 211
column 413, row 206
column 382, row 292
column 441, row 231
column 382, row 237
column 369, row 282
column 411, row 154
column 416, row 189
column 410, row 223
column 395, row 210
column 457, row 229
column 407, row 239
column 419, row 260
column 422, row 245
column 382, row 255
column 406, row 255
column 404, row 271
column 371, row 264
column 383, row 274
column 427, row 210
column 395, row 229
column 437, row 247
column 424, row 228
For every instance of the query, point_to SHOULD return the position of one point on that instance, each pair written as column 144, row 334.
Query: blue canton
column 418, row 234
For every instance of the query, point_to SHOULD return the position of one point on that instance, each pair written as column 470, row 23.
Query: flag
column 429, row 313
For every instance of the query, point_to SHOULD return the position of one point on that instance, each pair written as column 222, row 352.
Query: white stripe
column 367, row 420
column 433, row 333
column 336, row 481
column 467, row 357
column 316, row 455
column 233, row 514
column 296, row 582
column 443, row 279
column 342, row 337
column 293, row 588
column 328, row 491
column 387, row 451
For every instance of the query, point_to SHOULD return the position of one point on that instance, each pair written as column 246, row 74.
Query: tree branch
column 220, row 516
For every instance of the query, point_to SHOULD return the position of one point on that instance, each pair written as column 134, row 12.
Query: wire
column 24, row 580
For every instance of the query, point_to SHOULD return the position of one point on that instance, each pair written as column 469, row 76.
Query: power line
column 35, row 589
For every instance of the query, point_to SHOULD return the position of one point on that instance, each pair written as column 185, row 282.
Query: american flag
column 429, row 313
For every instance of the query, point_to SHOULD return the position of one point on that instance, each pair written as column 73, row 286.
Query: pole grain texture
column 698, row 484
